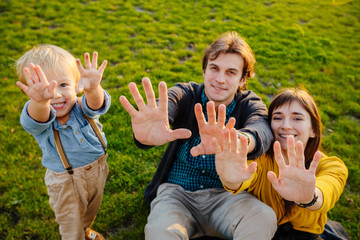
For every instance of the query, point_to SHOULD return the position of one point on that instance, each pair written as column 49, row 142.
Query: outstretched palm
column 38, row 88
column 212, row 128
column 295, row 182
column 231, row 160
column 90, row 76
column 150, row 122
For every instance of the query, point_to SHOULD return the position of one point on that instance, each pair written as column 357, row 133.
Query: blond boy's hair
column 50, row 58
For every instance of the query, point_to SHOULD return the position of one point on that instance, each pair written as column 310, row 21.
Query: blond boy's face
column 65, row 94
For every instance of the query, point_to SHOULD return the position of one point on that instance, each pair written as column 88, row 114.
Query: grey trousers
column 180, row 214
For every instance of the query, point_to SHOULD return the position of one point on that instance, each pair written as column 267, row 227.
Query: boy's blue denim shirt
column 79, row 141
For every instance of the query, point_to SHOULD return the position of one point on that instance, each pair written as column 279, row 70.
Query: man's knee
column 259, row 222
column 159, row 230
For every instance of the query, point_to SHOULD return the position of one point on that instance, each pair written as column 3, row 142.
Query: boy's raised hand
column 150, row 122
column 90, row 76
column 38, row 88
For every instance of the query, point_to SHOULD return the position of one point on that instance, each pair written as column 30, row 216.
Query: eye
column 298, row 119
column 213, row 67
column 231, row 72
column 63, row 85
column 276, row 118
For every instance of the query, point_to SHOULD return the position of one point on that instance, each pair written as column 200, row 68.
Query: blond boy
column 51, row 77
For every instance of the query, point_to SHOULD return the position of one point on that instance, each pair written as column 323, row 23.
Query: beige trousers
column 76, row 198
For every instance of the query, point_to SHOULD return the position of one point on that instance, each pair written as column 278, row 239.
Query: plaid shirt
column 196, row 173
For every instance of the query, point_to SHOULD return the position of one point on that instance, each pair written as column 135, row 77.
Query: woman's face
column 291, row 120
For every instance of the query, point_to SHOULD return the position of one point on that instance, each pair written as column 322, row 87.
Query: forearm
column 95, row 98
column 39, row 111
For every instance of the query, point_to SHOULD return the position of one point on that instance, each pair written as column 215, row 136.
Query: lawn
column 315, row 43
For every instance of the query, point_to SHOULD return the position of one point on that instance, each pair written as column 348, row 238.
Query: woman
column 298, row 181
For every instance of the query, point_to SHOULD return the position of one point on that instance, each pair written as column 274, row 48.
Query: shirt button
column 82, row 140
column 66, row 128
column 76, row 132
column 202, row 171
column 88, row 167
column 203, row 156
column 201, row 186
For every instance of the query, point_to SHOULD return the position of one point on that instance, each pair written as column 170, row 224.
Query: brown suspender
column 96, row 130
column 60, row 149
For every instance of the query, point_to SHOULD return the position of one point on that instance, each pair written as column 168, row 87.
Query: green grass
column 310, row 42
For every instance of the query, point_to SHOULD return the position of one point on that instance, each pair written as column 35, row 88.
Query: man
column 186, row 195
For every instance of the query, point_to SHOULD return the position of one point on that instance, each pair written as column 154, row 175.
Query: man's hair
column 50, row 58
column 231, row 42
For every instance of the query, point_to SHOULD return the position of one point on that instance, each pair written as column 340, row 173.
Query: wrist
column 239, row 134
column 93, row 89
column 309, row 204
column 234, row 188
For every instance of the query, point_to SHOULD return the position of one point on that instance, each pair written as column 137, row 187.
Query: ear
column 312, row 135
column 242, row 82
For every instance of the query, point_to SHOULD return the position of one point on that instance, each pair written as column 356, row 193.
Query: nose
column 57, row 93
column 220, row 78
column 286, row 124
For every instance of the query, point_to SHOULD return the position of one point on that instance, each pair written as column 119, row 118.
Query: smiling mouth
column 58, row 105
column 287, row 135
column 218, row 88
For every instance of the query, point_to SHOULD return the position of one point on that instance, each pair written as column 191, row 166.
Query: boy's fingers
column 102, row 67
column 87, row 60
column 50, row 91
column 41, row 74
column 79, row 66
column 94, row 60
column 33, row 73
column 28, row 77
column 22, row 86
column 80, row 88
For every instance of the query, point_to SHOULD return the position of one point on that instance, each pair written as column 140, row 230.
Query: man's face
column 222, row 78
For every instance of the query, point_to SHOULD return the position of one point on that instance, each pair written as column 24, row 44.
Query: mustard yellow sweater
column 331, row 175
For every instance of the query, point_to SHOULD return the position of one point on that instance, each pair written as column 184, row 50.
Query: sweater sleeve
column 252, row 117
column 331, row 176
